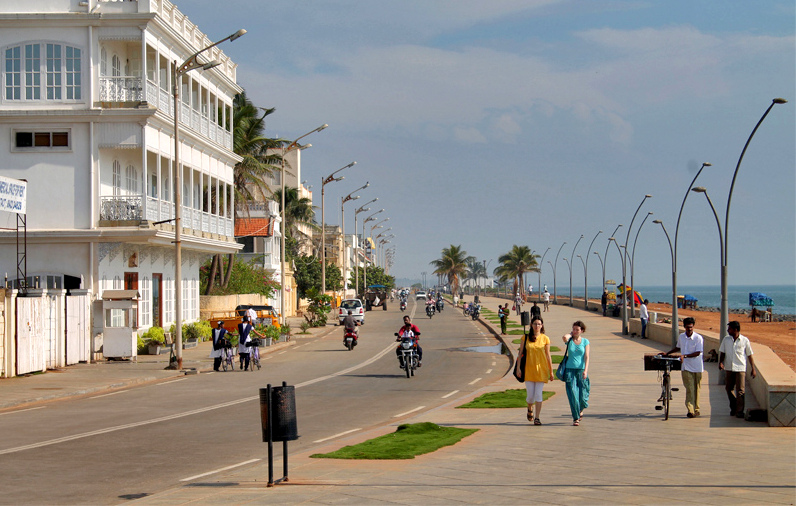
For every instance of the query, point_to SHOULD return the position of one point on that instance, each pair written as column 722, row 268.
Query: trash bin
column 283, row 413
column 653, row 317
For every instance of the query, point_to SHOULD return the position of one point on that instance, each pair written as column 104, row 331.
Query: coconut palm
column 475, row 270
column 514, row 264
column 452, row 264
column 299, row 213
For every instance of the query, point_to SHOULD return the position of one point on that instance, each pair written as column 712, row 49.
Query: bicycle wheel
column 257, row 359
column 667, row 392
column 224, row 361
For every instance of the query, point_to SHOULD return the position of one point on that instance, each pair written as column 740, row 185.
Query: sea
column 784, row 296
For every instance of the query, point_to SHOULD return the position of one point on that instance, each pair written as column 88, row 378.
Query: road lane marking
column 336, row 435
column 408, row 412
column 176, row 416
column 220, row 470
column 488, row 371
column 476, row 380
column 106, row 395
column 172, row 381
column 494, row 364
column 448, row 395
column 282, row 352
column 21, row 410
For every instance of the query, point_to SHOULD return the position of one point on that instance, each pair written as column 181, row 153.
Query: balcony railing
column 121, row 89
column 131, row 208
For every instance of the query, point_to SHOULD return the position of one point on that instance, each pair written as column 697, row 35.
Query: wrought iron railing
column 118, row 208
column 121, row 89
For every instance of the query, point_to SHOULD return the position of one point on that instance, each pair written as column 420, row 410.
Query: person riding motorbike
column 411, row 330
column 350, row 327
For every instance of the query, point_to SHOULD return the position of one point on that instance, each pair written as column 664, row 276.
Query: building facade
column 87, row 119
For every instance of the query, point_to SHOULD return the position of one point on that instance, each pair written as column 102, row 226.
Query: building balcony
column 121, row 89
column 128, row 211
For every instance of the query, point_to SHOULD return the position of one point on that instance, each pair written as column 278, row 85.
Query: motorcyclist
column 410, row 329
column 350, row 326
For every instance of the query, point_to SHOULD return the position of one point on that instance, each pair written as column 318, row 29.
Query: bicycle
column 254, row 356
column 668, row 364
column 227, row 355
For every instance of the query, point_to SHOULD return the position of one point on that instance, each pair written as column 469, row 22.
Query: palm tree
column 452, row 264
column 299, row 212
column 250, row 174
column 514, row 264
column 475, row 270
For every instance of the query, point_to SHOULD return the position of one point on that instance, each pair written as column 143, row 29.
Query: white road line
column 21, row 410
column 448, row 395
column 106, row 395
column 268, row 358
column 494, row 364
column 282, row 352
column 184, row 414
column 476, row 380
column 336, row 435
column 488, row 371
column 408, row 412
column 211, row 372
column 220, row 470
column 172, row 381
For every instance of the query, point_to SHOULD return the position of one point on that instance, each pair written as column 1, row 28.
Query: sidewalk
column 83, row 379
column 623, row 452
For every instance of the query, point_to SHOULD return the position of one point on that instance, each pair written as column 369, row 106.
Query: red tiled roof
column 253, row 227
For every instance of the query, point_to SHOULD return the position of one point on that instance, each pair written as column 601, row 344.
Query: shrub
column 285, row 330
column 141, row 345
column 273, row 332
column 305, row 326
column 155, row 335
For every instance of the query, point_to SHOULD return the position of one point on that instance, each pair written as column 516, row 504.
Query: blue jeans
column 644, row 327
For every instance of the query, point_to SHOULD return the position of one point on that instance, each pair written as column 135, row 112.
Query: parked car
column 420, row 295
column 357, row 310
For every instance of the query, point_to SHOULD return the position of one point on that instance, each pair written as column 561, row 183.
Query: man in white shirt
column 546, row 299
column 645, row 317
column 734, row 352
column 252, row 314
column 690, row 346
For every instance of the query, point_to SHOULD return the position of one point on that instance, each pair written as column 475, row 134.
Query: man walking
column 737, row 350
column 690, row 346
column 645, row 317
column 536, row 311
column 604, row 302
column 503, row 313
column 546, row 299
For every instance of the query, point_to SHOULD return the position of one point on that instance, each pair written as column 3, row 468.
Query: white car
column 420, row 295
column 357, row 310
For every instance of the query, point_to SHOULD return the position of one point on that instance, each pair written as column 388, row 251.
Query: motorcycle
column 403, row 304
column 350, row 339
column 440, row 304
column 475, row 311
column 430, row 310
column 408, row 359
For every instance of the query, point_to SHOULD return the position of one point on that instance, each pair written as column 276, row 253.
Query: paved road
column 140, row 441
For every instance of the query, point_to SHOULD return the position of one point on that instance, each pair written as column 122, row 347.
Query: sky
column 533, row 122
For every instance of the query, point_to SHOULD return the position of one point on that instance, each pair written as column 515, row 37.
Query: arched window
column 131, row 178
column 42, row 70
column 116, row 66
column 117, row 177
column 103, row 62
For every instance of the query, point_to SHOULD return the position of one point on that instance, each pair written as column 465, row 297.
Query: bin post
column 278, row 419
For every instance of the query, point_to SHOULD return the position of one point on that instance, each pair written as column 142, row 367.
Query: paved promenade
column 623, row 451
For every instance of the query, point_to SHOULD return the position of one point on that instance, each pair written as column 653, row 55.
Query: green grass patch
column 516, row 332
column 406, row 442
column 514, row 398
column 557, row 358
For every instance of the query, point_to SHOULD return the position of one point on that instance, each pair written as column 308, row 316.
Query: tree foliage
column 244, row 277
column 514, row 264
column 308, row 275
column 452, row 264
column 376, row 276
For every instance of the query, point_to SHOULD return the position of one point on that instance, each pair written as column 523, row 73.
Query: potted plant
column 285, row 331
column 190, row 335
column 272, row 334
column 156, row 340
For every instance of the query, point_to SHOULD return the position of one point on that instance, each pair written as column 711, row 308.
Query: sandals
column 576, row 423
column 536, row 421
column 530, row 415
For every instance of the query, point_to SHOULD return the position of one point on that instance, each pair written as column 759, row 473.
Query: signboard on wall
column 13, row 195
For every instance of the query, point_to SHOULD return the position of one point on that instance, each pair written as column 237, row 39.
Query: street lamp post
column 570, row 269
column 541, row 263
column 724, row 305
column 585, row 278
column 724, row 320
column 586, row 269
column 191, row 63
column 602, row 265
column 625, row 323
column 633, row 254
column 555, row 265
column 324, row 181
column 675, row 324
column 362, row 209
column 348, row 197
column 605, row 255
column 285, row 150
column 623, row 259
column 372, row 217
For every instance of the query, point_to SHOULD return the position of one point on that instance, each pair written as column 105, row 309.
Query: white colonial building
column 86, row 118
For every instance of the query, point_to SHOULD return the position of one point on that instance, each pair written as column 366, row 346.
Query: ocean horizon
column 784, row 296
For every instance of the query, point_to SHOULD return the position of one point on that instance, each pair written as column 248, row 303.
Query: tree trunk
column 229, row 270
column 211, row 277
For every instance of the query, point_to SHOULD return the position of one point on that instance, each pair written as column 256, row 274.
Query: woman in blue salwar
column 576, row 376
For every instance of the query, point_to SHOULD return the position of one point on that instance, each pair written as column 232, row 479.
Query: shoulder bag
column 562, row 367
column 519, row 365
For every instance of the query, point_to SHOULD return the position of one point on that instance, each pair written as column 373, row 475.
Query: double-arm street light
column 370, row 218
column 348, row 197
column 191, row 63
column 555, row 265
column 362, row 209
column 541, row 263
column 625, row 321
column 675, row 325
column 633, row 254
column 293, row 145
column 586, row 272
column 570, row 269
column 324, row 181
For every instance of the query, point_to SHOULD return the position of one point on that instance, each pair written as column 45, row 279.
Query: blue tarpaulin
column 760, row 299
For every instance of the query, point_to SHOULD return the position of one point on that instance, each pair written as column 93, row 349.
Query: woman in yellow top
column 538, row 367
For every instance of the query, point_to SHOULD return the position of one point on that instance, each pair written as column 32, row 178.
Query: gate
column 30, row 342
column 78, row 337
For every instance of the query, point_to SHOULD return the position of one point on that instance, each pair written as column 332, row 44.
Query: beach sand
column 779, row 336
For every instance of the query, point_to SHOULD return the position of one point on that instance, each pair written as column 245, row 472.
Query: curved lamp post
column 324, row 181
column 633, row 254
column 555, row 264
column 602, row 265
column 348, row 197
column 586, row 270
column 541, row 263
column 569, row 266
column 724, row 306
column 623, row 259
column 570, row 269
column 191, row 63
column 605, row 255
column 675, row 324
column 585, row 279
column 624, row 273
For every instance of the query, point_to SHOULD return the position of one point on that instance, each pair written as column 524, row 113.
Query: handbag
column 562, row 367
column 519, row 365
column 513, row 308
